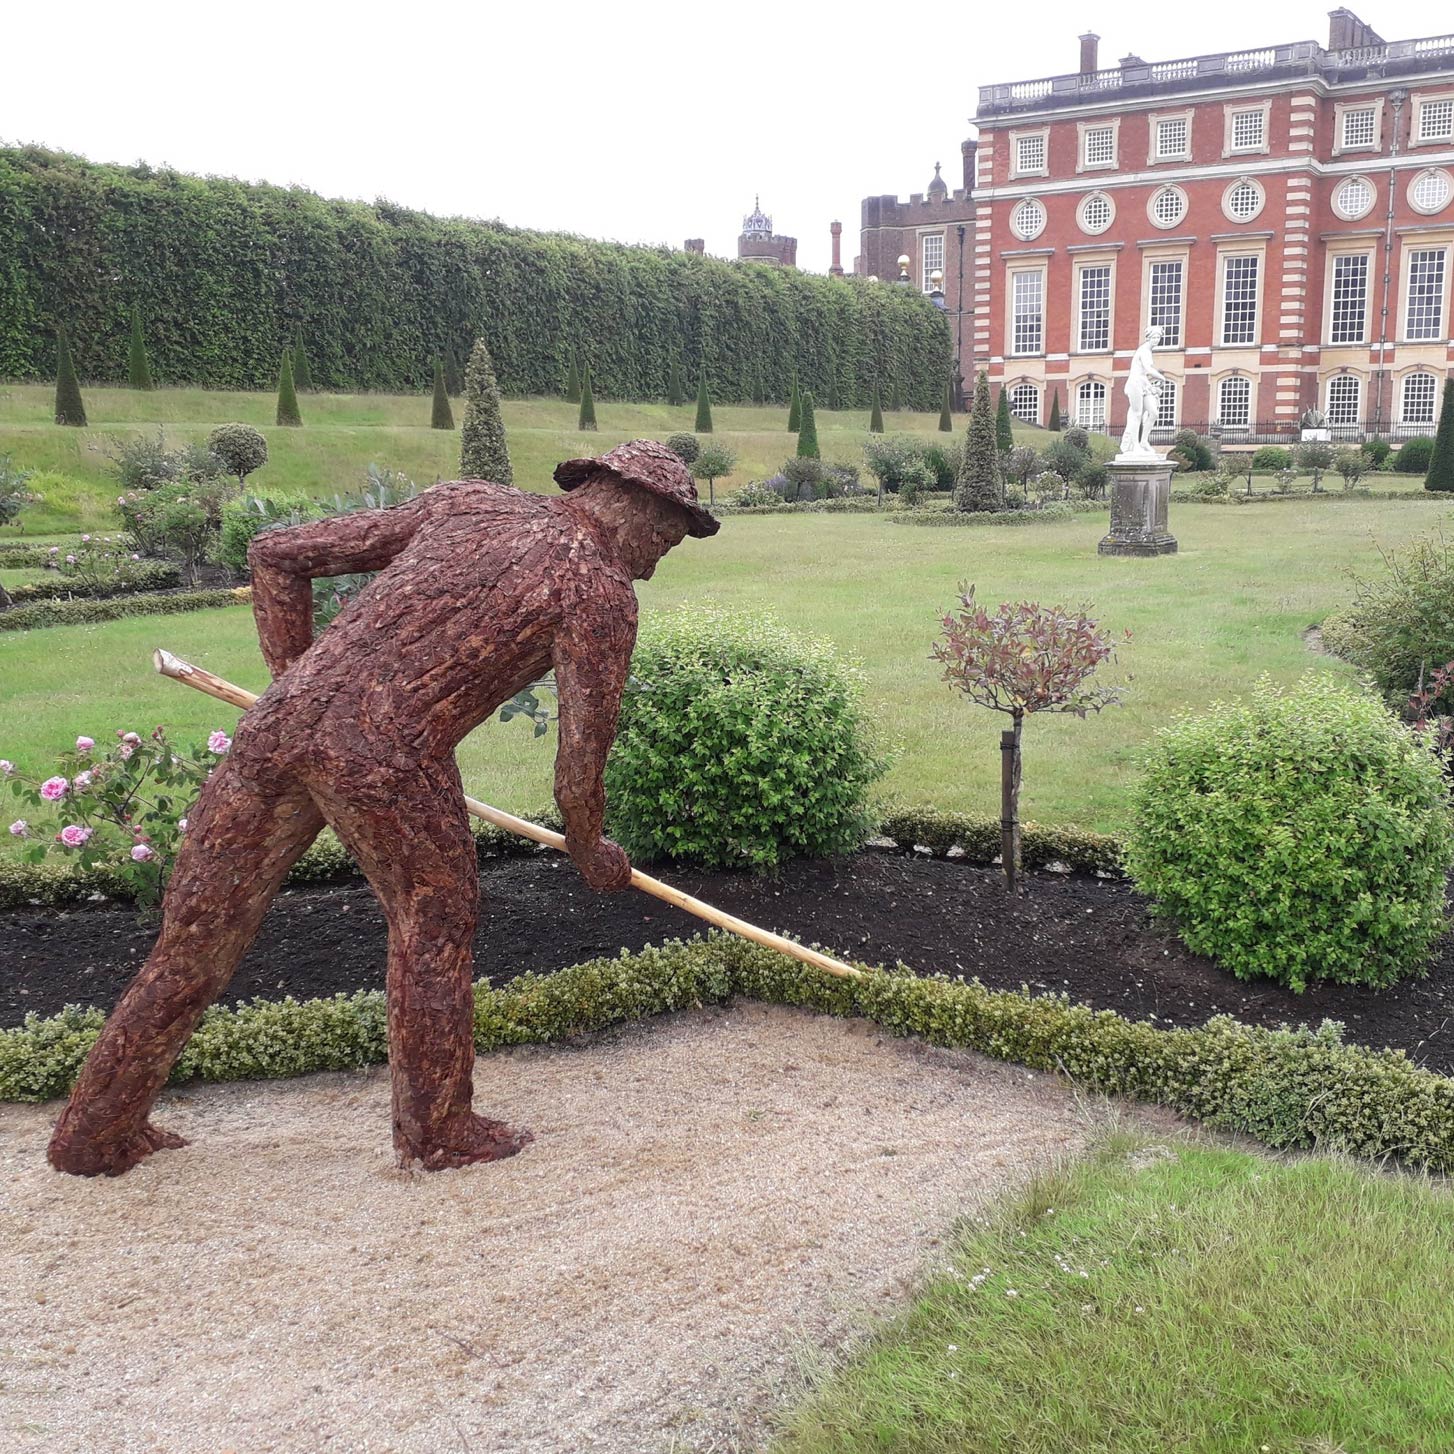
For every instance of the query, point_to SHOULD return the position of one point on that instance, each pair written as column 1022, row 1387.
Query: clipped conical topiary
column 483, row 453
column 69, row 408
column 573, row 381
column 1055, row 411
column 835, row 401
column 138, row 368
column 876, row 418
column 675, row 393
column 302, row 372
column 946, row 424
column 453, row 378
column 1004, row 429
column 704, row 406
column 442, row 416
column 795, row 407
column 288, row 414
column 978, row 485
column 808, row 430
column 1441, row 462
column 588, row 402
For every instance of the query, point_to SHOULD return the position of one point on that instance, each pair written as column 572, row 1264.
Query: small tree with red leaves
column 1023, row 658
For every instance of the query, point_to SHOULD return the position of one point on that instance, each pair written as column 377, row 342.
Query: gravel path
column 705, row 1193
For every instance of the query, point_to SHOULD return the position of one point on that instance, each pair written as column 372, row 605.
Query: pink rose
column 54, row 550
column 121, row 499
column 19, row 828
column 133, row 738
column 6, row 767
column 219, row 742
column 181, row 825
column 70, row 560
column 85, row 744
column 135, row 556
column 73, row 835
column 125, row 751
column 140, row 853
column 53, row 789
column 82, row 781
column 85, row 537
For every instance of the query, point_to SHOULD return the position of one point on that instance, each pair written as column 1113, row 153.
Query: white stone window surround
column 1160, row 210
column 1341, row 128
column 1238, row 203
column 1238, row 118
column 1093, row 281
column 1025, row 401
column 1362, row 190
column 1163, row 294
column 1246, row 269
column 1157, row 135
column 1028, row 218
column 1430, row 191
column 1168, row 409
column 1418, row 397
column 1023, row 161
column 1339, row 301
column 931, row 256
column 1025, row 309
column 1343, row 398
column 1088, row 408
column 1423, row 311
column 1233, row 396
column 1097, row 211
column 1091, row 142
column 1432, row 120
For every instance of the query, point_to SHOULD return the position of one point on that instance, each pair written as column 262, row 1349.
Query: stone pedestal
column 1139, row 494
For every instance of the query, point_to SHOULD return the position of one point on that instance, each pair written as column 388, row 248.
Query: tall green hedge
column 231, row 271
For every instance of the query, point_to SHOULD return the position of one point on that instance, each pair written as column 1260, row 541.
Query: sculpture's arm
column 592, row 658
column 285, row 561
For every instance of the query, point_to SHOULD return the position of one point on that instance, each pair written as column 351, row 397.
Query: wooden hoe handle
column 214, row 686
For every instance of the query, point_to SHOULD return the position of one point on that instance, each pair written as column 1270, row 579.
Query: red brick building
column 1285, row 214
column 758, row 243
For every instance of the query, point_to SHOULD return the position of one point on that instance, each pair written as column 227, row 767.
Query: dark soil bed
column 1089, row 938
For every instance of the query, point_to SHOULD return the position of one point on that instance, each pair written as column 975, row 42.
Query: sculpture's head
column 1155, row 334
column 642, row 492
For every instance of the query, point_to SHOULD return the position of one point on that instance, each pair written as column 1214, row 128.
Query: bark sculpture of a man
column 481, row 590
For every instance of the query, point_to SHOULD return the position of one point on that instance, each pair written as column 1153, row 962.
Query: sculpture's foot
column 477, row 1139
column 110, row 1156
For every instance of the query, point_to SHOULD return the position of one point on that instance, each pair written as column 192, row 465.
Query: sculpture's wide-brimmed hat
column 653, row 467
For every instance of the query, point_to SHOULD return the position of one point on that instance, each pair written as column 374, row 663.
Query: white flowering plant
column 125, row 807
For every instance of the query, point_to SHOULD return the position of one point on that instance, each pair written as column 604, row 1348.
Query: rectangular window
column 1418, row 399
column 1345, row 393
column 1350, row 298
column 1166, row 406
column 1165, row 301
column 1025, row 403
column 1095, row 309
column 933, row 260
column 1028, row 308
column 1426, row 295
column 1030, row 153
column 1358, row 127
column 1235, row 400
column 1100, row 146
column 1249, row 130
column 1436, row 120
column 1172, row 137
column 1239, row 300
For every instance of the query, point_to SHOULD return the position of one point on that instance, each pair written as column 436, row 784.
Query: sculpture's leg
column 239, row 846
column 411, row 836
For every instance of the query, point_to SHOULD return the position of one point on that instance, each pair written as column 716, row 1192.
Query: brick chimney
column 1089, row 52
column 1347, row 32
column 697, row 245
column 836, row 271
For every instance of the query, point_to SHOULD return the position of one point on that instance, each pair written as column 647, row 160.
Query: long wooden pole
column 225, row 691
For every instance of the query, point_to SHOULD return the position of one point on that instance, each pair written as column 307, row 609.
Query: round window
column 1242, row 201
column 1354, row 199
column 1167, row 207
column 1028, row 219
column 1429, row 191
column 1096, row 213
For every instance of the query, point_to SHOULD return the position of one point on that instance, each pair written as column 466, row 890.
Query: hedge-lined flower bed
column 145, row 575
column 1045, row 515
column 82, row 612
column 22, row 555
column 1241, row 497
column 1288, row 1088
column 53, row 885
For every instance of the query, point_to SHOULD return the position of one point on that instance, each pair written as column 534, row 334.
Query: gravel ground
column 708, row 1196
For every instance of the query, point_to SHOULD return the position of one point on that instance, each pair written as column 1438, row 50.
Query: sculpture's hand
column 603, row 865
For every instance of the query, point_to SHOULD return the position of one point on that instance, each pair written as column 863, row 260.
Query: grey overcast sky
column 644, row 122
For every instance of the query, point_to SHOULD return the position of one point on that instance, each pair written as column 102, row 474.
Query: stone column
column 1139, row 495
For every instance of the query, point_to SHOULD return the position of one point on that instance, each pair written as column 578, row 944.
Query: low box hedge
column 22, row 555
column 146, row 575
column 1288, row 1088
column 1045, row 515
column 1241, row 497
column 81, row 612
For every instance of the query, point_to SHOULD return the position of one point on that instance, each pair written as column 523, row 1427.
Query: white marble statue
column 1143, row 398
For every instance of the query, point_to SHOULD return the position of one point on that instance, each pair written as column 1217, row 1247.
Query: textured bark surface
column 481, row 590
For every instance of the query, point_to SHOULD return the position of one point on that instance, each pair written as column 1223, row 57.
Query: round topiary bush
column 1301, row 835
column 1414, row 455
column 238, row 448
column 740, row 745
column 1271, row 458
column 686, row 447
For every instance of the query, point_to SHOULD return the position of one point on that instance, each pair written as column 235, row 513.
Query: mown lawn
column 1182, row 1297
column 1205, row 623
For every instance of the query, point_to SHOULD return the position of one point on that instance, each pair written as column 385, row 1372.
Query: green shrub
column 143, row 461
column 1193, row 451
column 1288, row 1088
column 1414, row 455
column 714, row 461
column 1211, row 486
column 15, row 492
column 483, row 452
column 795, row 407
column 288, row 415
column 808, row 429
column 876, row 413
column 977, row 487
column 742, row 745
column 1066, row 457
column 1271, row 458
column 441, row 416
column 138, row 370
column 1377, row 452
column 893, row 459
column 181, row 521
column 70, row 408
column 1441, row 458
column 587, row 417
column 1048, row 514
column 302, row 369
column 72, row 613
column 133, row 576
column 704, row 406
column 941, row 459
column 244, row 518
column 239, row 449
column 1301, row 835
column 684, row 446
column 1004, row 428
column 946, row 424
